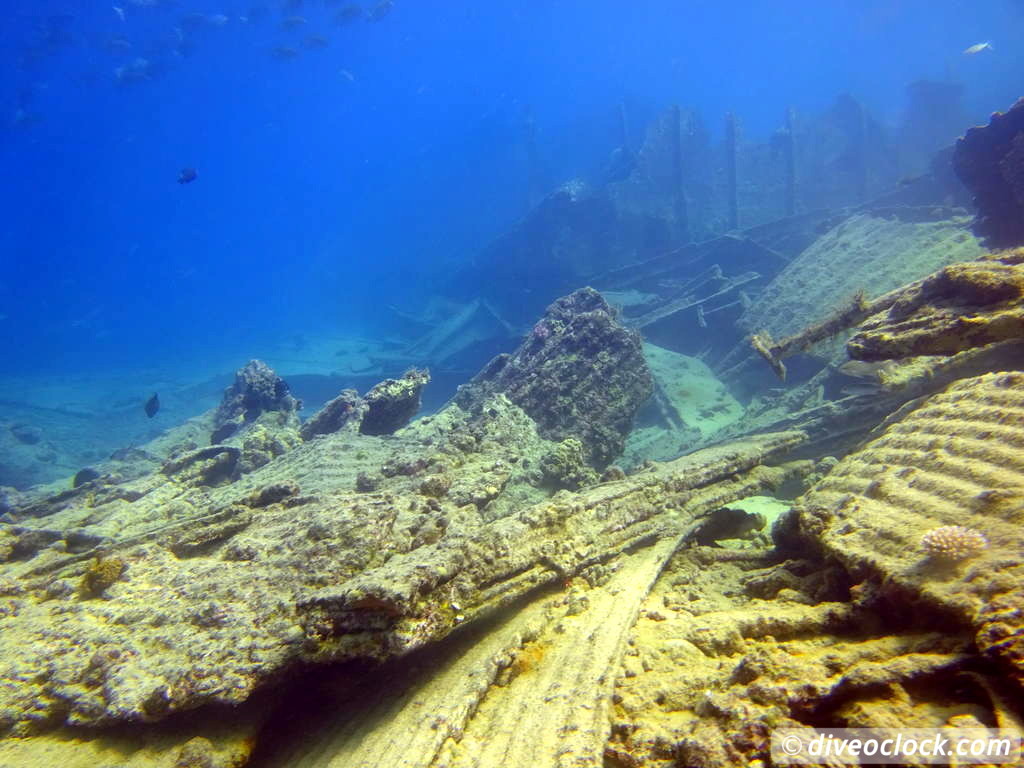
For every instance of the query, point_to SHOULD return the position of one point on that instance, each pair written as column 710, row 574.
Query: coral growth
column 102, row 573
column 953, row 543
column 565, row 467
column 261, row 445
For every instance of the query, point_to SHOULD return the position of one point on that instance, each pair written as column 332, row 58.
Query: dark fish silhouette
column 84, row 476
column 727, row 523
column 187, row 176
column 152, row 406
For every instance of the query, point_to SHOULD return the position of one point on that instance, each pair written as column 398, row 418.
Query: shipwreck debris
column 578, row 373
column 344, row 411
column 989, row 160
column 256, row 390
column 856, row 309
column 392, row 403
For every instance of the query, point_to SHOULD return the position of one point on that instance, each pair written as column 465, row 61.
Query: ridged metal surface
column 955, row 459
column 534, row 689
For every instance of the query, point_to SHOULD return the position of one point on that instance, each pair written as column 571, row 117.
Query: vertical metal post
column 623, row 127
column 789, row 158
column 730, row 170
column 679, row 196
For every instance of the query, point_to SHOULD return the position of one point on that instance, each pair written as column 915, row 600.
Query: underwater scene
column 465, row 384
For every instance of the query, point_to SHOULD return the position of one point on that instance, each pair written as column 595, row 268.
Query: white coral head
column 953, row 542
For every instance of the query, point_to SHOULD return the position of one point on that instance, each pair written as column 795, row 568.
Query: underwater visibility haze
column 397, row 149
column 422, row 383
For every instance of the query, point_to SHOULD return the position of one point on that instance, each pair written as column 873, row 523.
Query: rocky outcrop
column 386, row 408
column 578, row 373
column 256, row 390
column 392, row 403
column 989, row 160
column 345, row 410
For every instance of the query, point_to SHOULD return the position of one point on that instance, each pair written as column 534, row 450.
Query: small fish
column 293, row 22
column 869, row 374
column 862, row 390
column 348, row 14
column 139, row 70
column 119, row 12
column 315, row 41
column 218, row 19
column 381, row 9
column 860, row 370
column 347, row 75
column 23, row 117
column 187, row 176
column 978, row 48
column 284, row 52
column 152, row 405
column 727, row 523
column 119, row 45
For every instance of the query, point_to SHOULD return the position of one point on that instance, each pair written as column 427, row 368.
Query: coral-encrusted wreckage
column 495, row 585
column 489, row 598
column 990, row 161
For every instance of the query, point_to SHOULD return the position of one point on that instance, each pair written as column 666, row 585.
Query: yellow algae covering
column 513, row 626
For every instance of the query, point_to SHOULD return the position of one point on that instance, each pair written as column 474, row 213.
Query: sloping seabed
column 513, row 620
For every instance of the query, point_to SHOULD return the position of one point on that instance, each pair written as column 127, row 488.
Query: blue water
column 361, row 174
